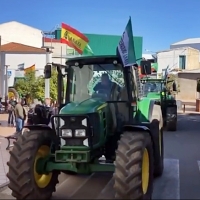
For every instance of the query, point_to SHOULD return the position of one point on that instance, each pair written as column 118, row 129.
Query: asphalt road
column 180, row 180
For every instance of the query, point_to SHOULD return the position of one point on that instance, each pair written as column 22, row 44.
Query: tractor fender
column 153, row 130
column 136, row 128
column 155, row 113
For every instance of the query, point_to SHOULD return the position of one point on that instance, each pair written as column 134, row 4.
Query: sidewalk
column 4, row 154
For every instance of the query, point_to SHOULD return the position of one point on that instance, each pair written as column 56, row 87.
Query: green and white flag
column 125, row 48
column 88, row 51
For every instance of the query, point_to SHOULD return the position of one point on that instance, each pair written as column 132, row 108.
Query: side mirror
column 145, row 67
column 174, row 87
column 47, row 71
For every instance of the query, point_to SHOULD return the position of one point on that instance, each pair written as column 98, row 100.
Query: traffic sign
column 9, row 73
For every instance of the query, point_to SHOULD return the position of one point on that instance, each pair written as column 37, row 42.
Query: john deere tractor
column 109, row 120
column 156, row 89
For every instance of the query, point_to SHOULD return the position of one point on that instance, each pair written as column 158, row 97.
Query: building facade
column 107, row 44
column 185, row 58
column 13, row 55
column 188, row 85
column 20, row 33
column 191, row 42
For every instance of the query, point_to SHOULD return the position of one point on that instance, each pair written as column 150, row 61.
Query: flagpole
column 61, row 54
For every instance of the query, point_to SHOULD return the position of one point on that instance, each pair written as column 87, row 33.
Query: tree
column 170, row 81
column 34, row 87
column 27, row 86
column 40, row 93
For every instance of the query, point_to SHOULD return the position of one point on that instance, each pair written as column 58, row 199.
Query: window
column 70, row 52
column 182, row 62
column 85, row 79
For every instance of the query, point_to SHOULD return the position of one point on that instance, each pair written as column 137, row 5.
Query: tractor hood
column 88, row 106
column 153, row 95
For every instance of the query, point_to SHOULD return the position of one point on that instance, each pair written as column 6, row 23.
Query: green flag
column 88, row 50
column 125, row 48
column 154, row 66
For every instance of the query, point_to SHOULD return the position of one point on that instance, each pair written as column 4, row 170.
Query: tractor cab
column 99, row 90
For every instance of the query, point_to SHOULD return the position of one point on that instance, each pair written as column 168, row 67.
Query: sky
column 159, row 22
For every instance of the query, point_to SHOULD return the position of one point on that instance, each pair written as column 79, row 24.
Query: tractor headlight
column 66, row 132
column 80, row 133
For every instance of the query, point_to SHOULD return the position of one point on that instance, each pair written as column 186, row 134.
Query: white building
column 191, row 42
column 20, row 33
column 184, row 58
column 22, row 44
column 14, row 54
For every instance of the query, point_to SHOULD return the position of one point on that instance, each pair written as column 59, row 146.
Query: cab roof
column 88, row 60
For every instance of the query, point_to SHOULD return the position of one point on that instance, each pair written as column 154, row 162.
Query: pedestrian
column 1, row 106
column 20, row 117
column 10, row 108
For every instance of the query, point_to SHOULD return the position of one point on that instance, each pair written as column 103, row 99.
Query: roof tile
column 17, row 47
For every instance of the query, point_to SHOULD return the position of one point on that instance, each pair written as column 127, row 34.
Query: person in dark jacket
column 106, row 85
column 19, row 117
column 10, row 107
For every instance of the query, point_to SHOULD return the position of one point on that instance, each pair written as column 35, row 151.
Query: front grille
column 88, row 122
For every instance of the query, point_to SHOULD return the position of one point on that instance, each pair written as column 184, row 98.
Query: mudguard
column 153, row 130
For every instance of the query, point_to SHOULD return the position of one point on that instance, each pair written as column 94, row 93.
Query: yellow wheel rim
column 42, row 180
column 145, row 171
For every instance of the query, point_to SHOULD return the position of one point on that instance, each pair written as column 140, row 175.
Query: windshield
column 104, row 81
column 152, row 87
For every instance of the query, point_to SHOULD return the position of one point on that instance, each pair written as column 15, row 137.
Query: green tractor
column 112, row 121
column 156, row 89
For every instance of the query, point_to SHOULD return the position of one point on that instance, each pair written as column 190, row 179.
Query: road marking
column 168, row 185
column 81, row 185
column 108, row 189
column 165, row 187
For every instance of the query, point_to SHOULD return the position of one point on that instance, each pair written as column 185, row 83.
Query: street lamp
column 48, row 60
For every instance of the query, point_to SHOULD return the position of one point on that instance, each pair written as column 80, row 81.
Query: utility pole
column 1, row 75
column 6, row 83
column 48, row 60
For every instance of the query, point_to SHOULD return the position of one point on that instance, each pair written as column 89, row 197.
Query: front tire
column 134, row 165
column 25, row 182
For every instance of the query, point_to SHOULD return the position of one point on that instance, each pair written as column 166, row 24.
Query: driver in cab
column 105, row 85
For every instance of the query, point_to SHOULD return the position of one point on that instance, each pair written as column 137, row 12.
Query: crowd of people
column 18, row 112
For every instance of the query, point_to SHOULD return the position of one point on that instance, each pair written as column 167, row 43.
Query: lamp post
column 6, row 85
column 48, row 60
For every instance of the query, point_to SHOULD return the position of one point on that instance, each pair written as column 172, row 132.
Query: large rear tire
column 134, row 165
column 171, row 125
column 25, row 182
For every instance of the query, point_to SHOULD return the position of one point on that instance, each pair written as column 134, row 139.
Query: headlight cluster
column 143, row 81
column 69, row 133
